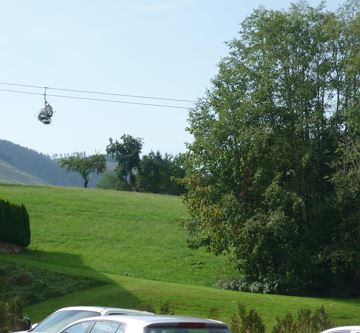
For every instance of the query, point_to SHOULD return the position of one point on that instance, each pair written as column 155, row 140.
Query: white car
column 63, row 317
column 343, row 329
column 146, row 324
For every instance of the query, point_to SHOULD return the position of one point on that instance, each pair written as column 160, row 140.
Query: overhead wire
column 98, row 92
column 96, row 99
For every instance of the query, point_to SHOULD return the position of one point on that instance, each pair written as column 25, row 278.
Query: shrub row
column 305, row 322
column 244, row 321
column 14, row 224
column 34, row 285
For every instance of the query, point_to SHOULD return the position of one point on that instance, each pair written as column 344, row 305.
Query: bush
column 14, row 224
column 146, row 307
column 306, row 322
column 11, row 316
column 110, row 181
column 165, row 308
column 244, row 322
column 243, row 284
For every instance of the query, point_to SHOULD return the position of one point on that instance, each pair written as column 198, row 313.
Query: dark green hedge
column 14, row 224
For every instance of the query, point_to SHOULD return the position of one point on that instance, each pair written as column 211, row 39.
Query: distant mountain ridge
column 12, row 175
column 29, row 161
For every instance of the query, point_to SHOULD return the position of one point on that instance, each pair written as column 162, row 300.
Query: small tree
column 127, row 154
column 84, row 165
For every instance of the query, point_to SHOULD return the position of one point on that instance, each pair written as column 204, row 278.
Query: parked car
column 146, row 324
column 343, row 329
column 63, row 317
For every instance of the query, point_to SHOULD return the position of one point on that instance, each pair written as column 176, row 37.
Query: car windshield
column 58, row 320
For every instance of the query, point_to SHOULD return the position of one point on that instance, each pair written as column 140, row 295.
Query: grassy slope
column 11, row 175
column 140, row 237
column 132, row 234
column 195, row 300
column 34, row 285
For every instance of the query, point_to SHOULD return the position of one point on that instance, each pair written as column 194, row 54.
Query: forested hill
column 37, row 164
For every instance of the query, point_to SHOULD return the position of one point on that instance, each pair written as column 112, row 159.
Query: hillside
column 113, row 232
column 12, row 175
column 135, row 243
column 37, row 164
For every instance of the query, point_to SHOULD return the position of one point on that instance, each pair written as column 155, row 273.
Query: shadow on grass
column 70, row 283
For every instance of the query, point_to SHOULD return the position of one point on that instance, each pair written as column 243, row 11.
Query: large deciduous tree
column 84, row 165
column 273, row 171
column 127, row 154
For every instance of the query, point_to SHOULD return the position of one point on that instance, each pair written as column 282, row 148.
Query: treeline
column 150, row 173
column 123, row 168
column 156, row 173
column 14, row 224
column 37, row 164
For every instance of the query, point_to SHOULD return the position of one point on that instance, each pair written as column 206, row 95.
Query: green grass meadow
column 135, row 243
column 132, row 234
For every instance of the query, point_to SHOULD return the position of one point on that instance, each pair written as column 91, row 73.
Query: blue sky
column 165, row 48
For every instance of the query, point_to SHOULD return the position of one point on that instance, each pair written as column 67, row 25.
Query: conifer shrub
column 14, row 224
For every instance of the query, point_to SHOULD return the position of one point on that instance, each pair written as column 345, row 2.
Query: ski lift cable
column 98, row 92
column 96, row 99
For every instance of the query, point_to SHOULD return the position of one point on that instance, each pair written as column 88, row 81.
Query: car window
column 79, row 328
column 121, row 329
column 60, row 319
column 188, row 330
column 105, row 327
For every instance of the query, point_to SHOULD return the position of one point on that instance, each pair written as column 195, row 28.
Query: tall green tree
column 84, row 165
column 266, row 135
column 127, row 154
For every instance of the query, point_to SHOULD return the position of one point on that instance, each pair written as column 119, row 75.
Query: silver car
column 343, row 329
column 146, row 324
column 63, row 317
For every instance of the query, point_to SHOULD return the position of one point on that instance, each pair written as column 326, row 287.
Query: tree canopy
column 127, row 154
column 273, row 172
column 160, row 174
column 84, row 165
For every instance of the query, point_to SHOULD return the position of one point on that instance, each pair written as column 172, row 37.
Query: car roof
column 83, row 308
column 343, row 328
column 104, row 310
column 143, row 321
